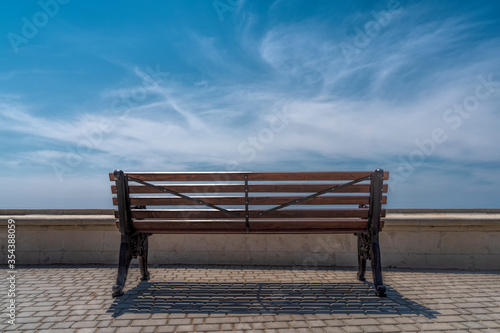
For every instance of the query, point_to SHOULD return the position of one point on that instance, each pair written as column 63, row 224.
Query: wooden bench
column 248, row 202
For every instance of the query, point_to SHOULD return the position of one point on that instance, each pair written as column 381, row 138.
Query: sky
column 87, row 87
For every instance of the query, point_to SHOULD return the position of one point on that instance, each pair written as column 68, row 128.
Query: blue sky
column 87, row 87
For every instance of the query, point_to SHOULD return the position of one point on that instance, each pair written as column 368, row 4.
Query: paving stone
column 85, row 330
column 278, row 324
column 25, row 327
column 153, row 322
column 84, row 324
column 352, row 329
column 474, row 325
column 129, row 330
column 120, row 323
column 185, row 328
column 63, row 325
column 106, row 330
column 243, row 326
column 298, row 324
column 436, row 327
column 389, row 328
column 208, row 328
column 221, row 320
column 408, row 328
column 226, row 327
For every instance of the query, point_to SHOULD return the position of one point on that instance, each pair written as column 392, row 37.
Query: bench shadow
column 263, row 298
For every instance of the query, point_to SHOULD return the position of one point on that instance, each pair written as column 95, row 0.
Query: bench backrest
column 247, row 197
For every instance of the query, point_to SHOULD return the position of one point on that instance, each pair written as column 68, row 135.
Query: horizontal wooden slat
column 259, row 226
column 310, row 176
column 252, row 176
column 213, row 214
column 274, row 200
column 189, row 226
column 261, row 188
column 337, row 226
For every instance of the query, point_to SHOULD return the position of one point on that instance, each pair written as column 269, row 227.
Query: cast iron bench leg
column 123, row 265
column 377, row 270
column 143, row 257
column 361, row 260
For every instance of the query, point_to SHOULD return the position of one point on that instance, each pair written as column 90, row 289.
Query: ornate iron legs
column 131, row 247
column 377, row 270
column 123, row 265
column 363, row 254
column 143, row 256
column 368, row 249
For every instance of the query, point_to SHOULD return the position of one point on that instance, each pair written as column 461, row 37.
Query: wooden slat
column 212, row 214
column 345, row 226
column 190, row 226
column 260, row 226
column 310, row 176
column 253, row 201
column 253, row 176
column 235, row 188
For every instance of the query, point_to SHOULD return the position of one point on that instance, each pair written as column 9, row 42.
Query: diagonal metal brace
column 198, row 201
column 317, row 194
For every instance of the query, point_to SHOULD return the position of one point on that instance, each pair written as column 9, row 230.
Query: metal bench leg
column 361, row 259
column 123, row 265
column 377, row 270
column 143, row 256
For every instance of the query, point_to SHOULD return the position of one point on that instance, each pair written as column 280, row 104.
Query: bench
column 248, row 202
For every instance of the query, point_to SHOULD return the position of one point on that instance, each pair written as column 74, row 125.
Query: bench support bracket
column 368, row 241
column 133, row 244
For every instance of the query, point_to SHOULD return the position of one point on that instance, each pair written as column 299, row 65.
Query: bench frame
column 134, row 244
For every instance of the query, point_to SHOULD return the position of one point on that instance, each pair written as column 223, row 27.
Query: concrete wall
column 466, row 239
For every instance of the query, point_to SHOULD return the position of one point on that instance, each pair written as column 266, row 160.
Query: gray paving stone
column 85, row 330
column 352, row 329
column 185, row 328
column 243, row 326
column 389, row 328
column 120, row 323
column 24, row 327
column 222, row 320
column 408, row 328
column 184, row 321
column 277, row 324
column 436, row 327
column 63, row 325
column 84, row 324
column 129, row 330
column 226, row 327
column 106, row 330
column 299, row 324
column 149, row 322
column 207, row 328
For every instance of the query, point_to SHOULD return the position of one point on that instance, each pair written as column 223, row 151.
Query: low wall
column 465, row 239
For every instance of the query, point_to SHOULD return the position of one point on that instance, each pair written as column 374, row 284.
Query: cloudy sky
column 87, row 87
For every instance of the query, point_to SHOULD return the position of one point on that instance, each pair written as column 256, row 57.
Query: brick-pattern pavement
column 251, row 299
